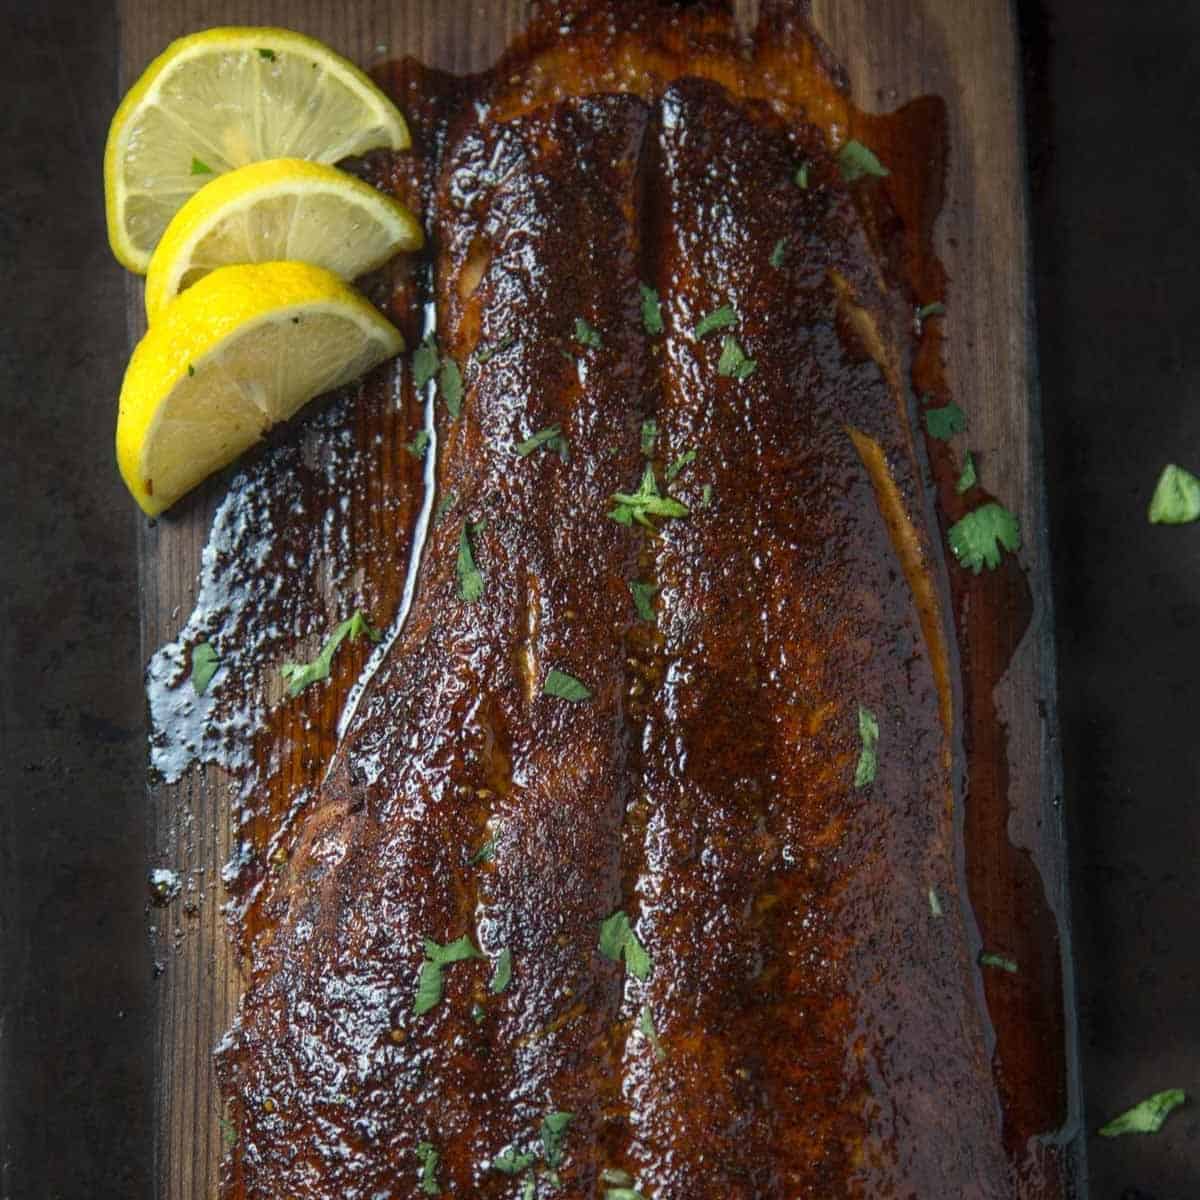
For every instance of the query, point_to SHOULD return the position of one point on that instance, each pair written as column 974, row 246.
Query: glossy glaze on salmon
column 809, row 1020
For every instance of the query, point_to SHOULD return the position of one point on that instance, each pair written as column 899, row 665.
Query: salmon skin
column 710, row 950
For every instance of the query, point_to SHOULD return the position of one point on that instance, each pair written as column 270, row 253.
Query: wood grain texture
column 966, row 54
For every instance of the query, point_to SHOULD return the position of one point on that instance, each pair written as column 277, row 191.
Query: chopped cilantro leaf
column 298, row 676
column 511, row 1163
column 645, row 503
column 856, row 160
column 944, row 423
column 647, row 1030
column 554, row 1130
column 470, row 578
column 935, row 904
column 205, row 664
column 649, row 436
column 429, row 1168
column 269, row 55
column 445, row 504
column 622, row 1193
column 565, row 687
column 733, row 363
column 652, row 320
column 615, row 1175
column 437, row 957
column 502, row 976
column 778, row 253
column 968, row 478
column 800, row 177
column 868, row 759
column 1176, row 499
column 684, row 460
column 450, row 385
column 643, row 594
column 191, row 370
column 201, row 168
column 485, row 354
column 719, row 318
column 1146, row 1117
column 706, row 495
column 551, row 437
column 617, row 941
column 980, row 538
column 997, row 962
column 229, row 1136
column 419, row 444
column 936, row 309
column 585, row 335
column 425, row 361
column 485, row 853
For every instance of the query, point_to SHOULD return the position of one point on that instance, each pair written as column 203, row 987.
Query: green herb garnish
column 649, row 437
column 201, row 168
column 944, row 423
column 419, row 444
column 298, row 676
column 565, row 687
column 445, row 504
column 968, row 478
column 554, row 1130
column 936, row 309
column 1146, row 1117
column 647, row 1030
column 645, row 503
column 997, row 962
column 229, row 1137
column 868, row 759
column 615, row 1175
column 622, row 1193
column 719, row 318
column 429, row 1168
column 191, row 370
column 652, row 320
column 425, row 361
column 502, row 976
column 585, row 335
column 550, row 437
column 617, row 941
column 643, row 594
column 800, row 178
column 1176, row 499
column 733, row 363
column 450, row 386
column 485, row 853
column 935, row 904
column 778, row 254
column 205, row 664
column 485, row 354
column 511, row 1163
column 437, row 958
column 856, row 160
column 685, row 459
column 470, row 578
column 706, row 495
column 980, row 538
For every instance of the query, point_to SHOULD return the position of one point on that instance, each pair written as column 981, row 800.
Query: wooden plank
column 893, row 53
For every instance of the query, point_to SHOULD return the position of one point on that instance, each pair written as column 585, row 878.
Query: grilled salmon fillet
column 710, row 950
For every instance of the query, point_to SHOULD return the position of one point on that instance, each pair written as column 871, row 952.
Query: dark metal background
column 1113, row 94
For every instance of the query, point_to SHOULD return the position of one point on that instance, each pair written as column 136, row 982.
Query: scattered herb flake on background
column 868, row 759
column 643, row 595
column 470, row 578
column 936, row 309
column 565, row 687
column 645, row 503
column 733, row 363
column 997, row 962
column 935, row 904
column 778, row 254
column 968, row 478
column 554, row 1131
column 205, row 664
column 485, row 853
column 418, row 445
column 944, row 423
column 485, row 353
column 622, row 1193
column 298, row 676
column 510, row 1162
column 437, row 957
column 647, row 1030
column 502, row 976
column 652, row 320
column 586, row 335
column 719, row 318
column 649, row 437
column 550, row 437
column 684, row 460
column 800, row 177
column 617, row 941
column 1176, row 499
column 201, row 168
column 429, row 1168
column 981, row 537
column 425, row 361
column 857, row 160
column 450, row 385
column 269, row 55
column 1146, row 1117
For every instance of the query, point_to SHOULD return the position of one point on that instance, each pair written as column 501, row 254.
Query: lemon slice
column 224, row 98
column 284, row 208
column 237, row 352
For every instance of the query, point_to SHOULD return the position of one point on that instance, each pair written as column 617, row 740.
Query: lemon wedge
column 244, row 348
column 223, row 98
column 284, row 208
